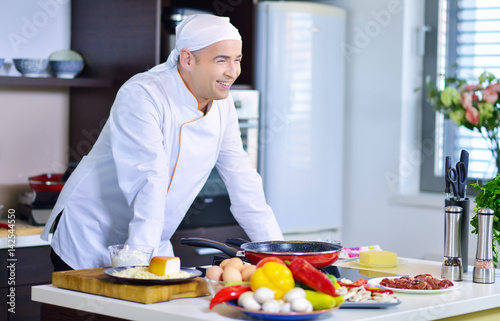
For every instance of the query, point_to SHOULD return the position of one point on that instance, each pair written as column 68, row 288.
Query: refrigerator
column 299, row 72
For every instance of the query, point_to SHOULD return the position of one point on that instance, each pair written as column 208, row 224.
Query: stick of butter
column 378, row 257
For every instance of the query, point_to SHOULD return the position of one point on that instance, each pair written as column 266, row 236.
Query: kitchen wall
column 33, row 120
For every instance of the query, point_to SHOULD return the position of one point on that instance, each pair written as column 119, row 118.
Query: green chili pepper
column 321, row 301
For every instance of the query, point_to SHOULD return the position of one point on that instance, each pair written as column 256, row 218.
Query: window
column 464, row 41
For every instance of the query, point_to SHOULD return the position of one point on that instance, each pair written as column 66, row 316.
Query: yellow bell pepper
column 275, row 276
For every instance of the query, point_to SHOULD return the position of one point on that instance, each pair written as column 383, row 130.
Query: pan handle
column 201, row 242
column 237, row 241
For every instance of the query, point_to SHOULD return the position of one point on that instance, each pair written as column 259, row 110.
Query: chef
column 168, row 127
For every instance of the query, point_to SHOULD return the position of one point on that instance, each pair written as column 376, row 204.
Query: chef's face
column 215, row 70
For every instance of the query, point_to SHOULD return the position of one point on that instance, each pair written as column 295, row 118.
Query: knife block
column 464, row 228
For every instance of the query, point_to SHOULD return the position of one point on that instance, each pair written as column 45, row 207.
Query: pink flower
column 490, row 95
column 495, row 87
column 467, row 99
column 472, row 87
column 472, row 115
column 475, row 97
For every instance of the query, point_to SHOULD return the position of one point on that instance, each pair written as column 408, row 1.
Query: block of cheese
column 164, row 265
column 378, row 257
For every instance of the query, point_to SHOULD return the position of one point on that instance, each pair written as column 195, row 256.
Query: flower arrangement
column 475, row 106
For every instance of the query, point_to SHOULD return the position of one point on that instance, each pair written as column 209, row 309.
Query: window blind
column 475, row 48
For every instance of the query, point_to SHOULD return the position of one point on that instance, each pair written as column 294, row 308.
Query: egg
column 235, row 262
column 223, row 263
column 231, row 274
column 214, row 273
column 247, row 271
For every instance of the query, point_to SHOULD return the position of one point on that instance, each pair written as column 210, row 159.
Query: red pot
column 46, row 183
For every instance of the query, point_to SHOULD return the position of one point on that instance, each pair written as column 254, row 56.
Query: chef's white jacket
column 149, row 163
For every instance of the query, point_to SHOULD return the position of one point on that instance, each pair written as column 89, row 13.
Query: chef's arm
column 244, row 185
column 141, row 162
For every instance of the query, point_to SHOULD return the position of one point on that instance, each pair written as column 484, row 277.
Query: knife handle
column 447, row 167
column 464, row 158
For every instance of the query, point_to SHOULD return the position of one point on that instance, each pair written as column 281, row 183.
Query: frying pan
column 319, row 254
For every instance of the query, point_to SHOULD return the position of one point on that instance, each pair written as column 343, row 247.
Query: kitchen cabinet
column 33, row 267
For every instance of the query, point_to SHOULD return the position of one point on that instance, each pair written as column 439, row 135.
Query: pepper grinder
column 484, row 271
column 452, row 262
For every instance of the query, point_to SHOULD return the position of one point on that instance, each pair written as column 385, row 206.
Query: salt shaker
column 484, row 271
column 452, row 262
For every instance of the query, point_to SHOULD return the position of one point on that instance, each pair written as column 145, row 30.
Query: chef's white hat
column 199, row 31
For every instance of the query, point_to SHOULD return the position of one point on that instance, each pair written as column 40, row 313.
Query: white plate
column 109, row 272
column 368, row 305
column 368, row 265
column 376, row 282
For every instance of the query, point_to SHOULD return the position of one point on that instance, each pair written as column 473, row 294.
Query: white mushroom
column 271, row 306
column 247, row 301
column 301, row 305
column 294, row 293
column 263, row 294
column 286, row 307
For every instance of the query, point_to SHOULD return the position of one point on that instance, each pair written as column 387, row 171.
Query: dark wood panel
column 118, row 39
column 4, row 312
column 33, row 265
column 26, row 310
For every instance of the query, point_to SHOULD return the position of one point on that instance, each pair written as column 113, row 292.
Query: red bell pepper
column 306, row 273
column 359, row 282
column 378, row 290
column 228, row 293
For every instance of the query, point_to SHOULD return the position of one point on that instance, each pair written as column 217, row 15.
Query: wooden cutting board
column 94, row 281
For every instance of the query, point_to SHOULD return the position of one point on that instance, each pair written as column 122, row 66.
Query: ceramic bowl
column 130, row 255
column 66, row 63
column 31, row 67
column 65, row 55
column 66, row 68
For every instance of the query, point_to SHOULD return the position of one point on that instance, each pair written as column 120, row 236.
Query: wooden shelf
column 50, row 81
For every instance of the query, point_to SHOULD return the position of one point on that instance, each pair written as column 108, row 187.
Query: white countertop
column 471, row 297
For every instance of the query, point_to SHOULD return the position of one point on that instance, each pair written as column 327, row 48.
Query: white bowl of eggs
column 230, row 271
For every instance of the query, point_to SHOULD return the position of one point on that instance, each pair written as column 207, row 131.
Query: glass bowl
column 130, row 255
column 214, row 286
